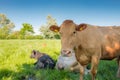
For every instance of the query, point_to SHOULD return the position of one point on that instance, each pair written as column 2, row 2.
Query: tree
column 46, row 32
column 26, row 30
column 14, row 35
column 6, row 26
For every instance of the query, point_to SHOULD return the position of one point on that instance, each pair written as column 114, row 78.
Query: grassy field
column 15, row 62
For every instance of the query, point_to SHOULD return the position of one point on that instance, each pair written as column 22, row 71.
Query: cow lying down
column 43, row 60
column 63, row 62
column 68, row 63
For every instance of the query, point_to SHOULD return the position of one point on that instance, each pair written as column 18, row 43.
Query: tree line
column 27, row 30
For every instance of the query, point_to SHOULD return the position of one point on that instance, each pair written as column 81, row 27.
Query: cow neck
column 39, row 55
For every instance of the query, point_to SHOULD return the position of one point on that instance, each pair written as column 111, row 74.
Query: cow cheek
column 73, row 42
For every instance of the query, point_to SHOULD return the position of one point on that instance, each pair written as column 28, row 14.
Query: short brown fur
column 91, row 44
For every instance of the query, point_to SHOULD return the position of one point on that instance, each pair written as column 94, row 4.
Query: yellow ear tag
column 56, row 30
column 81, row 29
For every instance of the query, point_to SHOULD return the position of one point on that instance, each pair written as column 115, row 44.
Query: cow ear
column 54, row 28
column 81, row 27
column 34, row 52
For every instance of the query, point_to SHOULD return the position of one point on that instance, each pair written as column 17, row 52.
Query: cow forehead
column 68, row 21
column 67, row 27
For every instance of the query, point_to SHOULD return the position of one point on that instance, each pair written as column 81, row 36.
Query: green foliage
column 46, row 32
column 33, row 37
column 26, row 30
column 17, row 35
column 15, row 62
column 6, row 26
column 14, row 35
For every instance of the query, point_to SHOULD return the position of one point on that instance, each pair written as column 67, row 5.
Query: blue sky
column 96, row 12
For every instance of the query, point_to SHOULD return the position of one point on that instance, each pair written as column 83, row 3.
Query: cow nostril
column 68, row 52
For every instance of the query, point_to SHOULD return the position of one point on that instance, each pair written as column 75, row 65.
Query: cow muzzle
column 66, row 53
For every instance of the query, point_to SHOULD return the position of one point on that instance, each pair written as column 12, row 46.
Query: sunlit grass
column 15, row 62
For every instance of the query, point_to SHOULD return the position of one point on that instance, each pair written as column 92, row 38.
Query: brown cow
column 90, row 43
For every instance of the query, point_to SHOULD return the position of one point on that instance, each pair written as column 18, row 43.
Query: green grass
column 15, row 62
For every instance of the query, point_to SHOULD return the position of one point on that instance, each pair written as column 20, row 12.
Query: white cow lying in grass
column 68, row 63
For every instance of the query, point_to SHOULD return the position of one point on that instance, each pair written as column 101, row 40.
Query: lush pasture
column 15, row 63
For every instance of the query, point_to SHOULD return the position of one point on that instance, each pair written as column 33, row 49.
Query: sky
column 34, row 12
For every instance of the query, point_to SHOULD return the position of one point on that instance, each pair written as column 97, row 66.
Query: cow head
column 68, row 32
column 35, row 54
